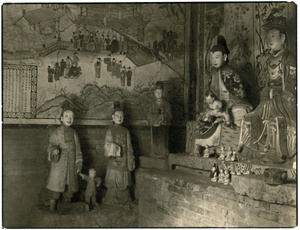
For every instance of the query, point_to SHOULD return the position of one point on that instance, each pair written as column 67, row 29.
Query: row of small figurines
column 225, row 155
column 224, row 175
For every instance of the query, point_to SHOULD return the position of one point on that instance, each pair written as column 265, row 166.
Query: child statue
column 92, row 183
column 65, row 155
column 215, row 109
column 159, row 117
column 226, row 83
column 226, row 177
column 121, row 160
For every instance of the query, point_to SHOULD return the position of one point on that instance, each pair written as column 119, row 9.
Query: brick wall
column 178, row 199
column 25, row 166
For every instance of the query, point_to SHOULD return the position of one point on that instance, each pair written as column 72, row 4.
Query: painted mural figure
column 56, row 71
column 97, row 67
column 62, row 67
column 65, row 155
column 129, row 76
column 68, row 64
column 226, row 83
column 107, row 61
column 123, row 76
column 50, row 74
column 92, row 183
column 121, row 160
column 114, row 46
column 76, row 59
column 268, row 132
column 159, row 117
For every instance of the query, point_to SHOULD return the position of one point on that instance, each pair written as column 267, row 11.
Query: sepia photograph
column 149, row 115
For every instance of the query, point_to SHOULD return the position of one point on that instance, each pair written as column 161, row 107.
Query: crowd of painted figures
column 268, row 130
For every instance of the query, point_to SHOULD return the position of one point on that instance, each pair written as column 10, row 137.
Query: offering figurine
column 214, row 170
column 92, row 183
column 233, row 157
column 222, row 154
column 228, row 154
column 65, row 155
column 159, row 117
column 206, row 152
column 226, row 178
column 215, row 178
column 221, row 176
column 121, row 160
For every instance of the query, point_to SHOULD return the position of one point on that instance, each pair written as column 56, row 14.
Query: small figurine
column 92, row 182
column 65, row 155
column 226, row 178
column 221, row 176
column 215, row 178
column 215, row 109
column 121, row 160
column 228, row 154
column 222, row 154
column 206, row 152
column 233, row 157
column 214, row 170
column 159, row 117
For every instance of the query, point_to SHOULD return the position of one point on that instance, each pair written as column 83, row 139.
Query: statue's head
column 92, row 172
column 67, row 114
column 219, row 53
column 159, row 90
column 276, row 32
column 210, row 97
column 118, row 113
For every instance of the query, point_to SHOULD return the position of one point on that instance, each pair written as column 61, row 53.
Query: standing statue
column 64, row 153
column 91, row 192
column 226, row 83
column 97, row 67
column 121, row 160
column 268, row 133
column 159, row 117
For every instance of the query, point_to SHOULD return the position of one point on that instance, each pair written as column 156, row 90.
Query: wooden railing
column 55, row 46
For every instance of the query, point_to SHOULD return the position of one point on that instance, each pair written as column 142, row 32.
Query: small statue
column 215, row 109
column 214, row 170
column 226, row 178
column 215, row 178
column 206, row 152
column 121, row 160
column 222, row 154
column 228, row 154
column 233, row 157
column 65, row 155
column 221, row 176
column 92, row 183
column 159, row 117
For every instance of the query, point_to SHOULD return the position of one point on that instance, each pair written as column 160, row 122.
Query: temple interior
column 134, row 115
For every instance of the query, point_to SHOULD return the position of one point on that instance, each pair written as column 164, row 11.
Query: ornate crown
column 273, row 22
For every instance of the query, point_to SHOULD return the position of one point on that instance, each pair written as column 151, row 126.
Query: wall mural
column 94, row 54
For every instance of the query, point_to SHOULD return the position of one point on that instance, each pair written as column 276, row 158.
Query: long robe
column 159, row 117
column 118, row 174
column 64, row 171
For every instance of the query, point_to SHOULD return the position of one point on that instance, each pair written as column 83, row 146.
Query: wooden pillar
column 187, row 31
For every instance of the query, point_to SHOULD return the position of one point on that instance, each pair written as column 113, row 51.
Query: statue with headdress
column 121, row 161
column 159, row 117
column 268, row 133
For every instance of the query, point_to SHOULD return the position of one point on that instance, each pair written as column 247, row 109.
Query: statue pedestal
column 153, row 163
column 205, row 164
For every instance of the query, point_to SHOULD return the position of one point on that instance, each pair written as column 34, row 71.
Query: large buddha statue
column 268, row 133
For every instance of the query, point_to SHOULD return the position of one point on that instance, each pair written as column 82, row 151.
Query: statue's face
column 209, row 99
column 67, row 118
column 275, row 40
column 118, row 117
column 158, row 93
column 92, row 174
column 217, row 58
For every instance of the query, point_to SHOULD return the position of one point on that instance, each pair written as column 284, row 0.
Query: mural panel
column 94, row 54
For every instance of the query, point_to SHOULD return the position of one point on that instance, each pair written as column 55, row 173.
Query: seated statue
column 226, row 83
column 268, row 133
